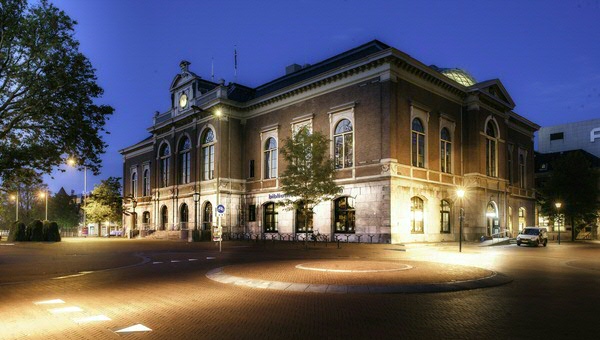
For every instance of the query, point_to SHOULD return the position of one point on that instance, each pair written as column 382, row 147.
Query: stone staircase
column 165, row 235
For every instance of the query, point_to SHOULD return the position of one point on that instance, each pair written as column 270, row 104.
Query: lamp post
column 134, row 204
column 16, row 199
column 45, row 196
column 558, row 205
column 460, row 193
column 196, row 196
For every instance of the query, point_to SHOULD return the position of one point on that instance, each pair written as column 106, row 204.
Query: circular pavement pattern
column 349, row 276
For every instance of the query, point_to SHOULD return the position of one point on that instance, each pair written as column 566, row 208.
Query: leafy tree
column 309, row 175
column 105, row 202
column 574, row 183
column 47, row 92
column 64, row 210
column 25, row 185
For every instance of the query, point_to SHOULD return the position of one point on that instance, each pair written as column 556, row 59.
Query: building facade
column 584, row 135
column 404, row 137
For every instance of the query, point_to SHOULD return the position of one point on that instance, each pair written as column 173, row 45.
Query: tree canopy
column 309, row 175
column 574, row 183
column 47, row 92
column 105, row 203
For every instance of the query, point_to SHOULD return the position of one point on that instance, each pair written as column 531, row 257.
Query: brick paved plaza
column 113, row 288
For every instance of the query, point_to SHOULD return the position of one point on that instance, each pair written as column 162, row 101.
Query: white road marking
column 65, row 310
column 73, row 275
column 135, row 328
column 210, row 258
column 7, row 244
column 173, row 261
column 91, row 319
column 192, row 260
column 49, row 302
column 156, row 262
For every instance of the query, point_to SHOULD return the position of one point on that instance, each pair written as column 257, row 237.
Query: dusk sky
column 546, row 53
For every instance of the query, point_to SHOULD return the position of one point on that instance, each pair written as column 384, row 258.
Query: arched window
column 509, row 164
column 522, row 218
column 270, row 218
column 445, row 216
column 270, row 158
column 303, row 223
column 146, row 183
column 343, row 144
column 344, row 215
column 208, row 155
column 416, row 215
column 146, row 220
column 522, row 171
column 445, row 151
column 134, row 184
column 207, row 216
column 491, row 214
column 183, row 217
column 510, row 222
column 418, row 143
column 184, row 160
column 491, row 149
column 164, row 218
column 165, row 155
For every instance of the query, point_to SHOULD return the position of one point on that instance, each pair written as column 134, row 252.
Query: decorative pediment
column 494, row 90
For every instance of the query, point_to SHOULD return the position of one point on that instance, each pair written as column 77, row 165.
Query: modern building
column 404, row 137
column 584, row 135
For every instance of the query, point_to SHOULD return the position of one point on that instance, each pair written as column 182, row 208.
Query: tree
column 105, row 202
column 64, row 210
column 24, row 186
column 47, row 92
column 309, row 175
column 574, row 183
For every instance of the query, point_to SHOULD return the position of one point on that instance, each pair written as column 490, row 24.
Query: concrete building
column 404, row 137
column 584, row 135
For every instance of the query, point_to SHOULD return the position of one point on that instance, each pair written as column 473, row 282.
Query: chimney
column 292, row 68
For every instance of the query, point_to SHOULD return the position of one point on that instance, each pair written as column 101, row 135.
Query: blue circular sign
column 220, row 209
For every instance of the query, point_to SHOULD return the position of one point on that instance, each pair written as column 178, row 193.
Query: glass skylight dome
column 458, row 75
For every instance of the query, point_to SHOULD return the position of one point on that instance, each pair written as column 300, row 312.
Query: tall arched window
column 146, row 183
column 184, row 160
column 270, row 218
column 134, row 184
column 270, row 158
column 510, row 222
column 303, row 223
column 418, row 143
column 164, row 218
column 509, row 164
column 165, row 155
column 344, row 215
column 208, row 155
column 445, row 216
column 445, row 151
column 207, row 216
column 522, row 218
column 416, row 215
column 522, row 171
column 491, row 149
column 342, row 144
column 183, row 217
column 146, row 220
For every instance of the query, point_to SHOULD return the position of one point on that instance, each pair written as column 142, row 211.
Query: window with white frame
column 418, row 143
column 417, row 215
column 343, row 144
column 146, row 182
column 270, row 157
column 491, row 149
column 445, row 151
column 445, row 216
column 208, row 155
column 165, row 166
column 185, row 147
column 134, row 184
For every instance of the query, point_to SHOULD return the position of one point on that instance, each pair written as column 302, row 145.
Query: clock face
column 182, row 101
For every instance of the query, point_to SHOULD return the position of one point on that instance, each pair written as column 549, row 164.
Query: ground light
column 558, row 205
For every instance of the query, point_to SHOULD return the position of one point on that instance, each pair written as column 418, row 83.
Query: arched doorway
column 183, row 217
column 164, row 217
column 493, row 223
column 207, row 216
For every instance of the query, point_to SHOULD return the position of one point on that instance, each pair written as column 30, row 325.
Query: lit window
column 445, row 217
column 416, row 215
column 491, row 152
column 342, row 144
column 207, row 217
column 183, row 217
column 522, row 216
column 445, row 150
column 344, row 215
column 208, row 155
column 303, row 223
column 184, row 160
column 270, row 158
column 270, row 218
column 418, row 143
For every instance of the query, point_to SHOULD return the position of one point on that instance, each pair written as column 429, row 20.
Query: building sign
column 594, row 134
column 278, row 195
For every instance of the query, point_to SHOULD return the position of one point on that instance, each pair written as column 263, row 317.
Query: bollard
column 371, row 237
column 358, row 237
column 338, row 243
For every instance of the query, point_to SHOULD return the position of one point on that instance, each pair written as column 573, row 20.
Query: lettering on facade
column 278, row 195
column 594, row 134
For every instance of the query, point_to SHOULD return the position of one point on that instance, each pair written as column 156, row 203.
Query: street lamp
column 558, row 205
column 460, row 193
column 16, row 199
column 196, row 196
column 134, row 204
column 45, row 196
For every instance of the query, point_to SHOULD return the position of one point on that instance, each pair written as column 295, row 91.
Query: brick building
column 404, row 136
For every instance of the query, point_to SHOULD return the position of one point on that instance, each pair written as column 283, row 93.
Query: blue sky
column 546, row 53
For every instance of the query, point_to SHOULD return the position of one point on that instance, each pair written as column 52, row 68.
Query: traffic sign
column 220, row 210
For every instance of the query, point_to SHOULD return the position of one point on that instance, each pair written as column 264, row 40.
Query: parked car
column 114, row 233
column 533, row 236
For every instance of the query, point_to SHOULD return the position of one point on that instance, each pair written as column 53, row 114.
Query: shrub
column 45, row 229
column 53, row 234
column 17, row 232
column 37, row 231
